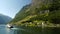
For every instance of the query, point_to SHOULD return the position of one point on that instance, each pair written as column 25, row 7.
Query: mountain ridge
column 4, row 19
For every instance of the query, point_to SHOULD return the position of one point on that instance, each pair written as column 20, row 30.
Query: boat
column 9, row 26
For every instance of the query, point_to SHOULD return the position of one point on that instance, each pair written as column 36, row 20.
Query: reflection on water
column 36, row 30
column 51, row 30
column 9, row 31
column 29, row 30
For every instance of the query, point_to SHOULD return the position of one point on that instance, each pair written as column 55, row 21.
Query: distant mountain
column 4, row 19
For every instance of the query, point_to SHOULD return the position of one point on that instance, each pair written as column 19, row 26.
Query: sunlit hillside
column 46, row 11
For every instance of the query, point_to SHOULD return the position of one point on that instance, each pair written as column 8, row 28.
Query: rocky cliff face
column 39, row 3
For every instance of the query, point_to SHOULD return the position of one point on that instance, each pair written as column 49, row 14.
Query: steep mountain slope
column 21, row 14
column 47, row 11
column 4, row 19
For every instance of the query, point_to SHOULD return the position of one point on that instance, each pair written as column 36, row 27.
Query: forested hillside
column 47, row 11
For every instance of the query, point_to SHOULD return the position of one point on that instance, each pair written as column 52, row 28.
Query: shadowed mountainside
column 4, row 19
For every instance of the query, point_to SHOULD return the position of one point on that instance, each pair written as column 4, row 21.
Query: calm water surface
column 29, row 30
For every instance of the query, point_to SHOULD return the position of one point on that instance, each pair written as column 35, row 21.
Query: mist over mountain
column 4, row 19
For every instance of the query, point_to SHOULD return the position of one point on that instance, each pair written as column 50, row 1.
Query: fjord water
column 29, row 30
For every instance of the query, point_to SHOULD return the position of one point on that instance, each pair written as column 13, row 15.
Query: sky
column 11, row 7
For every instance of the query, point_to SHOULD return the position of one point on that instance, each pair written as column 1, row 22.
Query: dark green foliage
column 55, row 5
column 54, row 17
